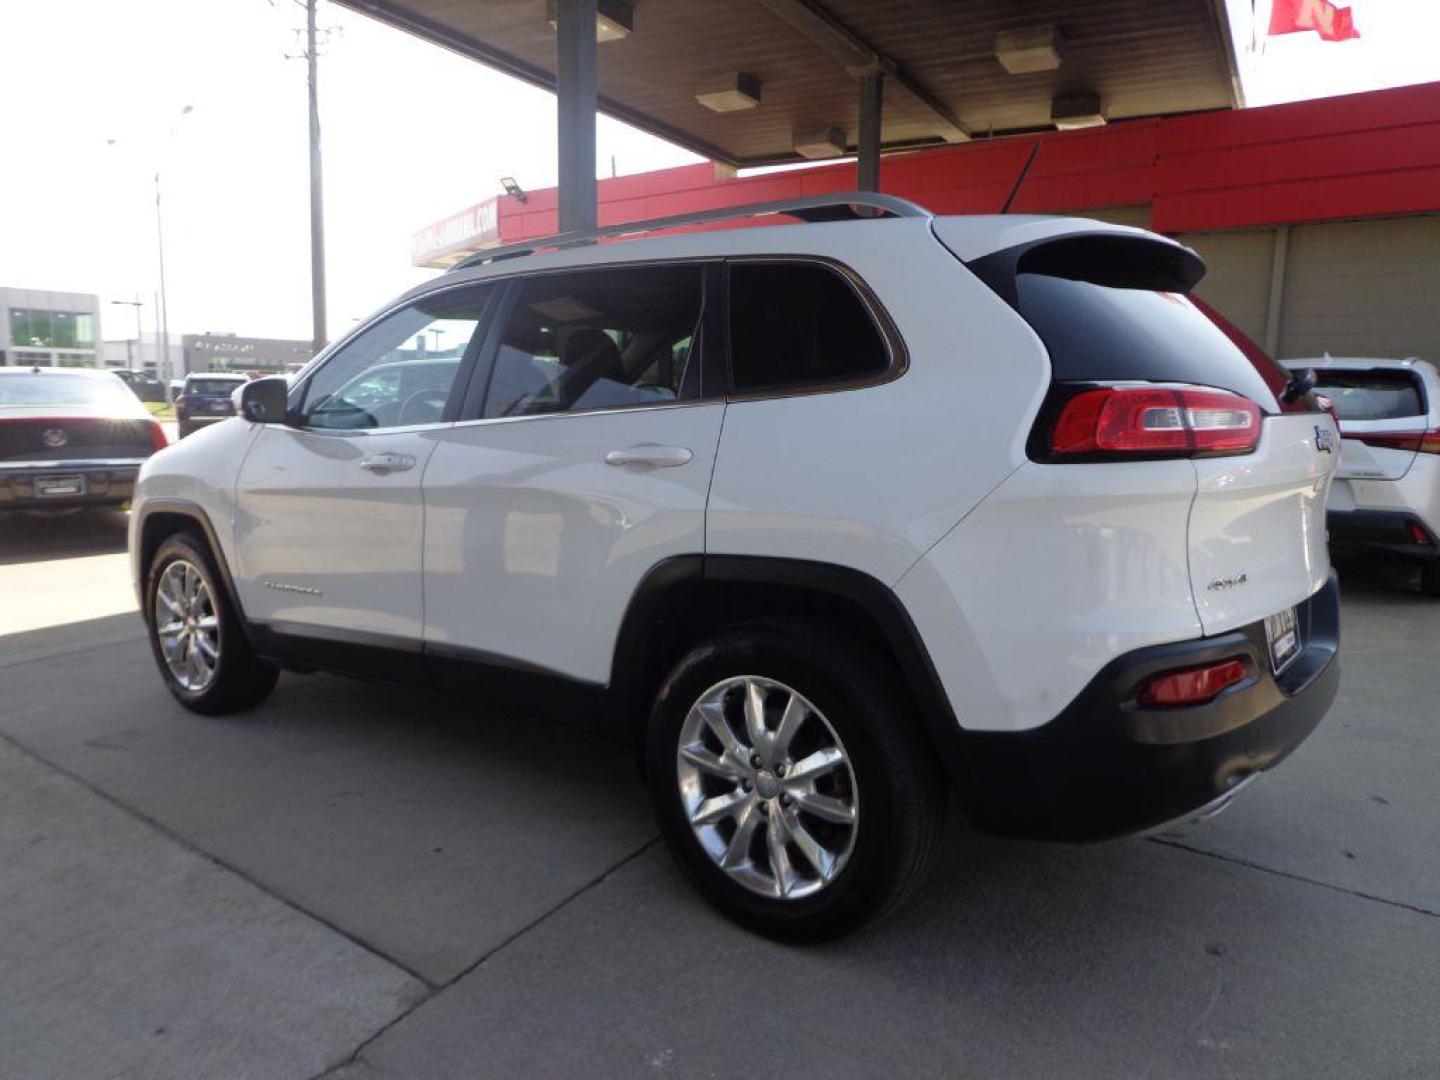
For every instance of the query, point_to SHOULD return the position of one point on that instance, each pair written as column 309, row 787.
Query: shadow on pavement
column 31, row 537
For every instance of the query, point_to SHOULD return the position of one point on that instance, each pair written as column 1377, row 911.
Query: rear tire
column 1430, row 578
column 196, row 636
column 855, row 777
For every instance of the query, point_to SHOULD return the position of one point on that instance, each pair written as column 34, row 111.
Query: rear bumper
column 1380, row 532
column 1107, row 767
column 106, row 484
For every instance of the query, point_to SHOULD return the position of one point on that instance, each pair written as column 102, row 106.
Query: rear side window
column 1372, row 395
column 616, row 338
column 1115, row 309
column 799, row 325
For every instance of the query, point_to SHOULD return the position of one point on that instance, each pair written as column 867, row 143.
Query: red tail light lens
column 1329, row 406
column 1417, row 442
column 1147, row 420
column 1192, row 686
column 158, row 441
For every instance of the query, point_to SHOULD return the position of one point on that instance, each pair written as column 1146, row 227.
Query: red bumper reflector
column 1192, row 686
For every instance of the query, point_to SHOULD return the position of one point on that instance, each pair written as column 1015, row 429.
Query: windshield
column 34, row 391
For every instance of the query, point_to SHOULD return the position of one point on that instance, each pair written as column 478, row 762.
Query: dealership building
column 50, row 328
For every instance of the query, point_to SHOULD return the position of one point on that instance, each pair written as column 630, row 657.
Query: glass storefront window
column 52, row 329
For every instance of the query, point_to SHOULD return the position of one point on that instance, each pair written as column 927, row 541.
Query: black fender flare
column 672, row 582
column 187, row 508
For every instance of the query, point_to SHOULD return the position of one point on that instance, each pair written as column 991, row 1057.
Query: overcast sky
column 93, row 92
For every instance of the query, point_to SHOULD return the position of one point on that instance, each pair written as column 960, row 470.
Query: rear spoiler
column 1117, row 260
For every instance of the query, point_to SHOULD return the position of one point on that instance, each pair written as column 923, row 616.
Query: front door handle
column 387, row 463
column 661, row 457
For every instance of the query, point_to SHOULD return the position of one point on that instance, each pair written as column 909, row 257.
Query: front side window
column 798, row 324
column 599, row 339
column 402, row 370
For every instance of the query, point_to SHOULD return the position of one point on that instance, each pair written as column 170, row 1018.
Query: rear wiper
column 1301, row 383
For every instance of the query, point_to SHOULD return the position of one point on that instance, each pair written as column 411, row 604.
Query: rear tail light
column 1417, row 442
column 1418, row 534
column 158, row 441
column 1192, row 686
column 1180, row 421
column 1329, row 406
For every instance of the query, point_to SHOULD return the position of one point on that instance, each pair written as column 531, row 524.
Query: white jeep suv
column 834, row 518
column 1386, row 497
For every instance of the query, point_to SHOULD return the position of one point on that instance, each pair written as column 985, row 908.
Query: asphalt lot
column 361, row 882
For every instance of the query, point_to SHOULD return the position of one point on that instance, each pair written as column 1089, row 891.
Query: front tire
column 790, row 780
column 195, row 633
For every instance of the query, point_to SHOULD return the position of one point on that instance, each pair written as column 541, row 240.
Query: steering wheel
column 423, row 407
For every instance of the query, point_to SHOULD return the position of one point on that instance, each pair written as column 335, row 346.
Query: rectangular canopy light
column 1036, row 48
column 814, row 143
column 731, row 93
column 1077, row 111
column 614, row 19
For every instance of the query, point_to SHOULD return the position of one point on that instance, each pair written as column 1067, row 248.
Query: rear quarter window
column 800, row 325
column 1372, row 395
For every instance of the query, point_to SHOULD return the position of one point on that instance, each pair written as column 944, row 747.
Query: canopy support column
column 872, row 90
column 575, row 90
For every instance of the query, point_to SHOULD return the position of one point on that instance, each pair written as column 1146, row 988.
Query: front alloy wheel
column 187, row 626
column 768, row 787
column 196, row 635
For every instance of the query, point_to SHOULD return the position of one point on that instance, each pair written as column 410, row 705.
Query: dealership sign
column 450, row 240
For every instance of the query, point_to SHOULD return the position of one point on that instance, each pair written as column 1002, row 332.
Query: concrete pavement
column 362, row 882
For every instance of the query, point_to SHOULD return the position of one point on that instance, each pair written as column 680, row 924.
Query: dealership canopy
column 768, row 81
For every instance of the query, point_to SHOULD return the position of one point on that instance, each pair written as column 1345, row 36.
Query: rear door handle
column 387, row 463
column 661, row 457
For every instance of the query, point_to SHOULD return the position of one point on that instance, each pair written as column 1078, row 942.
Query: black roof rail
column 835, row 206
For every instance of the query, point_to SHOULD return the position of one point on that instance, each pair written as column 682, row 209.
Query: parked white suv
column 833, row 517
column 1386, row 496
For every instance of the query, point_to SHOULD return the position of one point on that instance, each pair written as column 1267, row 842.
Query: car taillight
column 1192, row 686
column 1181, row 421
column 1417, row 442
column 158, row 441
column 1329, row 406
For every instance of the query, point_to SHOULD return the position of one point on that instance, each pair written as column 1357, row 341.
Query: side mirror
column 263, row 401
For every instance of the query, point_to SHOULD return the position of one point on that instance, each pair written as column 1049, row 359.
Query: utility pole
column 317, row 204
column 164, row 365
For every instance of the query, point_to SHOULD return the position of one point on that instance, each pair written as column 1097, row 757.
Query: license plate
column 219, row 406
column 56, row 487
column 1282, row 632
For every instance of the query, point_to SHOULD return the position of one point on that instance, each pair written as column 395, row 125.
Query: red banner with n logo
column 1330, row 22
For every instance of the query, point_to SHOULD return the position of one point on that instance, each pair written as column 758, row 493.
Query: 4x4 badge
column 1324, row 440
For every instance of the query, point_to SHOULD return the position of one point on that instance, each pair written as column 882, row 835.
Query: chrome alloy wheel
column 187, row 626
column 767, row 787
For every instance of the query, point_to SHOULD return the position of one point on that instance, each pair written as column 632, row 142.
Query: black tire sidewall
column 849, row 695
